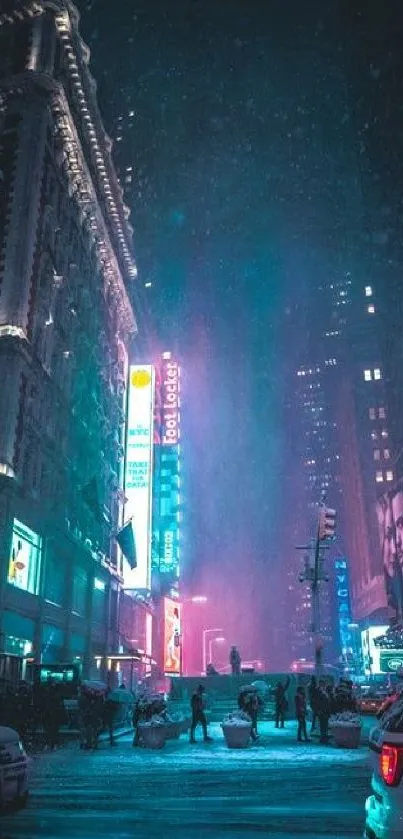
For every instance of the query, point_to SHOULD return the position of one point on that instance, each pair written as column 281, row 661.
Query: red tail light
column 391, row 765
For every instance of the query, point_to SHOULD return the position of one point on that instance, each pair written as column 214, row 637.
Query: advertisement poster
column 139, row 471
column 389, row 511
column 172, row 637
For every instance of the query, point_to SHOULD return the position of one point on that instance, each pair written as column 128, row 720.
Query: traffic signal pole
column 314, row 575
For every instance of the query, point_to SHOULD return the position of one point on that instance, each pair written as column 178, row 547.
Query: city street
column 277, row 788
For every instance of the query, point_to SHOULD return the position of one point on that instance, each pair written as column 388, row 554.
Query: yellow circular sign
column 140, row 378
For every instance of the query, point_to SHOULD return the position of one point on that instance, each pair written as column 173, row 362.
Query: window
column 385, row 434
column 372, row 414
column 374, row 435
column 367, row 375
column 389, row 475
column 80, row 589
column 377, row 454
column 25, row 560
column 377, row 374
column 371, row 309
column 55, row 578
column 382, row 413
column 368, row 291
column 386, row 454
column 379, row 477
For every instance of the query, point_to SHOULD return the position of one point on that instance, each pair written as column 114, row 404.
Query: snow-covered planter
column 237, row 729
column 153, row 733
column 346, row 729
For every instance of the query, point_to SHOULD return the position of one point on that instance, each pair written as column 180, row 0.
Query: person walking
column 313, row 701
column 109, row 713
column 281, row 702
column 198, row 715
column 235, row 661
column 248, row 701
column 300, row 713
column 323, row 713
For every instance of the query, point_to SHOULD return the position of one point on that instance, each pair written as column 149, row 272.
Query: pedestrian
column 235, row 661
column 109, row 713
column 300, row 713
column 323, row 712
column 248, row 701
column 313, row 701
column 198, row 715
column 281, row 702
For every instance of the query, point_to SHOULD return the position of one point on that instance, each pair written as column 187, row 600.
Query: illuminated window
column 389, row 475
column 379, row 477
column 385, row 434
column 374, row 435
column 386, row 454
column 367, row 375
column 368, row 291
column 371, row 309
column 382, row 413
column 25, row 558
column 372, row 414
column 377, row 374
column 377, row 454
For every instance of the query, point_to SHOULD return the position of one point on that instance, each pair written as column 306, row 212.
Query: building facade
column 66, row 322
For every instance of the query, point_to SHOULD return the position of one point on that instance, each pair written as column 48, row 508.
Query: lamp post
column 207, row 632
column 219, row 640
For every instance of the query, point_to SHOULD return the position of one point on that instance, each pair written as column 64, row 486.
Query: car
column 14, row 764
column 384, row 807
column 372, row 703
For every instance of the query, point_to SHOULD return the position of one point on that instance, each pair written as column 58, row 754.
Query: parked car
column 372, row 702
column 384, row 807
column 13, row 769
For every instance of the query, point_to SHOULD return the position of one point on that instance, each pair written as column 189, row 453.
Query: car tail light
column 391, row 764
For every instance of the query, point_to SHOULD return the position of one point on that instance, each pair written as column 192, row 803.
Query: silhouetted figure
column 281, row 702
column 198, row 715
column 235, row 661
column 313, row 701
column 300, row 713
column 323, row 712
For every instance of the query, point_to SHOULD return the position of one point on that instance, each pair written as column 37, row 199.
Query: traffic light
column 327, row 524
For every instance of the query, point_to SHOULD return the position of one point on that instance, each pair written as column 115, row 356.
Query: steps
column 217, row 708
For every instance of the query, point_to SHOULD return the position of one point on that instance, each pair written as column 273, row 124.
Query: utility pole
column 314, row 574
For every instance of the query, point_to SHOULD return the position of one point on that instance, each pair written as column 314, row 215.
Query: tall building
column 66, row 322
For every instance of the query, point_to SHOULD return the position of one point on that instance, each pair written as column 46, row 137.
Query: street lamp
column 219, row 640
column 207, row 632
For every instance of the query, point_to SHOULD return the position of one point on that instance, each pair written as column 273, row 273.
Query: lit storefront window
column 25, row 558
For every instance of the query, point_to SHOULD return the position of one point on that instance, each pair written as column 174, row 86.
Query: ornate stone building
column 66, row 322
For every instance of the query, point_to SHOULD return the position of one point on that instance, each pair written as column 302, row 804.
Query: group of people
column 324, row 700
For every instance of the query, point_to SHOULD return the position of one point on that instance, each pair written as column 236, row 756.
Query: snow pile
column 156, row 721
column 345, row 718
column 238, row 719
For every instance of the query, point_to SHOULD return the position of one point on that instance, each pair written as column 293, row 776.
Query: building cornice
column 99, row 145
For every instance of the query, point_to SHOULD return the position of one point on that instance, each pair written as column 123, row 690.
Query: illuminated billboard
column 139, row 471
column 172, row 636
column 370, row 653
column 169, row 478
column 389, row 511
column 170, row 375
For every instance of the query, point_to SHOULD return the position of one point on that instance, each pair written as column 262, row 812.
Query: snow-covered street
column 276, row 788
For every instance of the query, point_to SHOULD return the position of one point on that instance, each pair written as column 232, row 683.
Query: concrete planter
column 152, row 736
column 236, row 736
column 346, row 736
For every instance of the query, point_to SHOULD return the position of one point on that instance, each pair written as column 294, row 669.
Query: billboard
column 370, row 653
column 139, row 471
column 389, row 511
column 172, row 636
column 170, row 376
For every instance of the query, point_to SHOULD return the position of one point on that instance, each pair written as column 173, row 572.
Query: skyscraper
column 66, row 322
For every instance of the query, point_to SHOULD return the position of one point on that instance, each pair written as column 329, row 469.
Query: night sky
column 246, row 164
